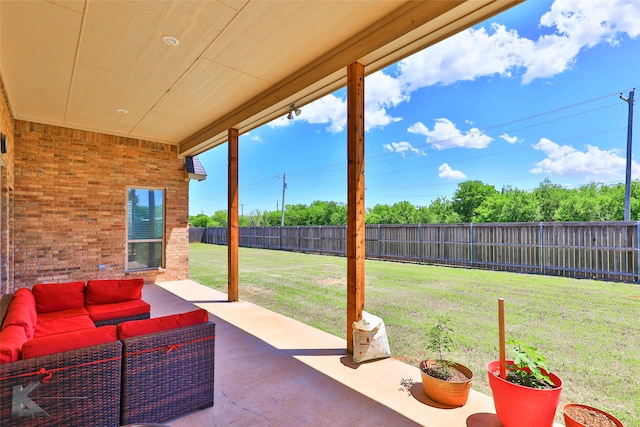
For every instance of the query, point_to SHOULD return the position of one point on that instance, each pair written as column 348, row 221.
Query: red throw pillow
column 69, row 341
column 22, row 312
column 134, row 328
column 110, row 291
column 58, row 296
column 11, row 340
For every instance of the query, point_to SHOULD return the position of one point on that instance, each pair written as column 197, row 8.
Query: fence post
column 320, row 237
column 378, row 241
column 471, row 254
column 419, row 243
column 637, row 251
column 542, row 248
column 298, row 237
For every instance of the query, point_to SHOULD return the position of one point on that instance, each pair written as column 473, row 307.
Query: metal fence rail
column 599, row 250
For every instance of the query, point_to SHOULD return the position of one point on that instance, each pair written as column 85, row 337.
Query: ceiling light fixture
column 171, row 41
column 122, row 111
column 293, row 109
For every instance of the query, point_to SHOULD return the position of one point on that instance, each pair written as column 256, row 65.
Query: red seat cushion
column 100, row 312
column 58, row 296
column 72, row 312
column 110, row 291
column 60, row 326
column 67, row 342
column 11, row 340
column 158, row 324
column 22, row 312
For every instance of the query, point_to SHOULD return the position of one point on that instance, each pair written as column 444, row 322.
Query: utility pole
column 284, row 187
column 627, row 188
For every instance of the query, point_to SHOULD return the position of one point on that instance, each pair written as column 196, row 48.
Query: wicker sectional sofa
column 63, row 363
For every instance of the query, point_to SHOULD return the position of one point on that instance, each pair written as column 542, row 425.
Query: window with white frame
column 145, row 229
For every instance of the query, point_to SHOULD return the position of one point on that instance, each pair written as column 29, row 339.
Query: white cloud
column 446, row 135
column 593, row 164
column 403, row 148
column 474, row 53
column 330, row 110
column 465, row 56
column 573, row 26
column 510, row 139
column 447, row 173
column 381, row 92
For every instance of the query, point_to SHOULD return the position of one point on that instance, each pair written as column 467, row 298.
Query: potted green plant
column 443, row 381
column 526, row 394
column 576, row 415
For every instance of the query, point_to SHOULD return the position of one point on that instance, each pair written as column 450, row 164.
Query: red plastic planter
column 570, row 422
column 519, row 406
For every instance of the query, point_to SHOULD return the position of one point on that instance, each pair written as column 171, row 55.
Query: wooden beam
column 355, row 198
column 233, row 238
column 413, row 26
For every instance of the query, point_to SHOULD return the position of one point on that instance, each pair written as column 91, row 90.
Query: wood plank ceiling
column 239, row 63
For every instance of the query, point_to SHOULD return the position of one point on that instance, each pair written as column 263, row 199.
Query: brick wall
column 71, row 199
column 6, row 194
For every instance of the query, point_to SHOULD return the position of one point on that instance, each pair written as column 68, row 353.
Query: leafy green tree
column 580, row 204
column 296, row 214
column 339, row 215
column 404, row 213
column 549, row 197
column 440, row 211
column 470, row 195
column 511, row 205
column 380, row 214
column 271, row 218
column 200, row 220
column 219, row 219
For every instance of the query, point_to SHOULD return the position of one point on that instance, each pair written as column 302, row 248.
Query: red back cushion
column 22, row 312
column 142, row 327
column 66, row 342
column 58, row 296
column 11, row 340
column 110, row 291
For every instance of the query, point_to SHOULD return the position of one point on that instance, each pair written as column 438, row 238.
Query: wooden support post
column 355, row 198
column 233, row 230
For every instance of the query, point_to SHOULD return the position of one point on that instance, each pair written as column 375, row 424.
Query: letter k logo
column 22, row 405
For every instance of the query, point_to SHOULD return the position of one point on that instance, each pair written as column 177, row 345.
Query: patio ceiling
column 240, row 63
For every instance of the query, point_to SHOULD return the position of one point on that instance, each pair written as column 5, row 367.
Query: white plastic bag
column 369, row 339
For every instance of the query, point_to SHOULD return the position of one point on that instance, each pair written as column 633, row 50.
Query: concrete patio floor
column 271, row 370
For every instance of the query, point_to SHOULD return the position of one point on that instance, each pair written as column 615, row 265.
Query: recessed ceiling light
column 170, row 40
column 122, row 111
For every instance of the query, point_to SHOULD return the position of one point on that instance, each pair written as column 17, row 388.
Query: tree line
column 473, row 201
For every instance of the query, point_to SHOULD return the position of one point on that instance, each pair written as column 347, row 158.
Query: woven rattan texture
column 167, row 374
column 83, row 389
column 122, row 320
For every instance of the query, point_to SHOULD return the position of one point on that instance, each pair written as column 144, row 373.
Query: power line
column 371, row 159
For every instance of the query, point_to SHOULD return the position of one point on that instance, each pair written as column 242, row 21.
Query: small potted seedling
column 444, row 382
column 525, row 393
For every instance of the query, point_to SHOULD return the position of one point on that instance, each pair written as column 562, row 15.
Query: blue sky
column 531, row 94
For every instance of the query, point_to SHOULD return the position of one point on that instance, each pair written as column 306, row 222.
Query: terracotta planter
column 519, row 406
column 446, row 392
column 570, row 422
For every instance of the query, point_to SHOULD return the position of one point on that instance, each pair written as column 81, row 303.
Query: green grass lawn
column 588, row 330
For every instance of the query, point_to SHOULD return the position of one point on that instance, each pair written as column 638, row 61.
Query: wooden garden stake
column 503, row 351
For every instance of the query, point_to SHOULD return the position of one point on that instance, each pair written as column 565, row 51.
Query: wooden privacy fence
column 598, row 250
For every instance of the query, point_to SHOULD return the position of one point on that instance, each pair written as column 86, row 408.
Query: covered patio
column 275, row 371
column 100, row 99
